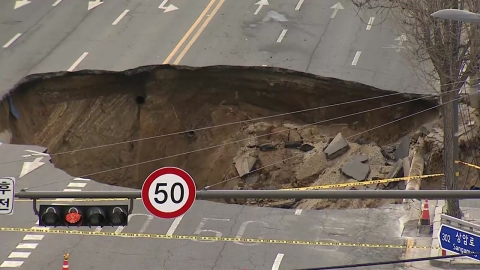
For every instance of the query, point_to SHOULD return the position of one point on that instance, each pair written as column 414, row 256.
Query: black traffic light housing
column 83, row 215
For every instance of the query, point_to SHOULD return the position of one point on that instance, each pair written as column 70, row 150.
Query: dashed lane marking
column 211, row 238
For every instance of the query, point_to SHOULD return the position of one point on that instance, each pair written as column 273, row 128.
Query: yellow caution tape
column 207, row 238
column 365, row 183
column 468, row 164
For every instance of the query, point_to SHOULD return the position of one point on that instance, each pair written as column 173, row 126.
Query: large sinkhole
column 109, row 112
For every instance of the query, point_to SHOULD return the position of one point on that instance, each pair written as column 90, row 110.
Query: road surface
column 53, row 35
column 372, row 226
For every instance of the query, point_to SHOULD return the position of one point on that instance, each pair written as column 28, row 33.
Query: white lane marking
column 19, row 255
column 33, row 237
column 79, row 185
column 174, row 225
column 120, row 17
column 80, row 59
column 370, row 22
column 80, row 179
column 299, row 4
column 56, row 3
column 355, row 59
column 282, row 35
column 27, row 245
column 298, row 212
column 72, row 190
column 11, row 264
column 98, row 229
column 334, row 228
column 264, row 65
column 11, row 41
column 278, row 261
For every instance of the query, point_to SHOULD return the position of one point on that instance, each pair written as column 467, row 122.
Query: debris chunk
column 356, row 170
column 266, row 147
column 306, row 147
column 337, row 147
column 244, row 164
column 403, row 148
column 293, row 144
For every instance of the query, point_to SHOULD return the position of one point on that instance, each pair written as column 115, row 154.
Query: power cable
column 210, row 147
column 228, row 124
column 390, row 262
column 298, row 155
column 219, row 145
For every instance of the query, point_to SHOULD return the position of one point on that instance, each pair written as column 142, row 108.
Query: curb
column 455, row 263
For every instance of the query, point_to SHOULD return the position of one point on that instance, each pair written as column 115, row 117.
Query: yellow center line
column 194, row 38
column 190, row 31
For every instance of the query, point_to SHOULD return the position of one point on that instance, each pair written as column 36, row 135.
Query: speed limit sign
column 168, row 192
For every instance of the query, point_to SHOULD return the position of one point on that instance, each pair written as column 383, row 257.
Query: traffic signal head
column 83, row 215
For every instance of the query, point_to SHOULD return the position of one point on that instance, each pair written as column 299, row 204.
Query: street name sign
column 459, row 241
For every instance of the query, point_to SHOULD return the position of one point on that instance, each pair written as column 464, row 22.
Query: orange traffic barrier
column 65, row 262
column 425, row 219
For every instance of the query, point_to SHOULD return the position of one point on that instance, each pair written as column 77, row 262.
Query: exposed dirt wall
column 68, row 111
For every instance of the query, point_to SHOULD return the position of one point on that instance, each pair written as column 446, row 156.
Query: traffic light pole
column 265, row 194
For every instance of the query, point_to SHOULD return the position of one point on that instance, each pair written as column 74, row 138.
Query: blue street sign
column 459, row 241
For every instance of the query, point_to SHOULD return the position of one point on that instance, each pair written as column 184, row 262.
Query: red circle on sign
column 169, row 170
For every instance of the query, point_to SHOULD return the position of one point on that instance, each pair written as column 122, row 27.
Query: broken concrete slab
column 360, row 158
column 356, row 170
column 403, row 148
column 426, row 129
column 397, row 168
column 266, row 147
column 337, row 147
column 306, row 147
column 244, row 164
column 294, row 136
column 290, row 144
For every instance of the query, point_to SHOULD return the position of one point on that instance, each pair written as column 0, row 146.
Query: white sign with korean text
column 7, row 195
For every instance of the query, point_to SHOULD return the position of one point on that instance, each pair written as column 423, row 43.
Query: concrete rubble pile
column 321, row 160
column 324, row 159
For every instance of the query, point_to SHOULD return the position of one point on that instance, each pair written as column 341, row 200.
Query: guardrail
column 445, row 219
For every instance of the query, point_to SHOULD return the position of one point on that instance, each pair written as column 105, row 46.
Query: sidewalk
column 471, row 213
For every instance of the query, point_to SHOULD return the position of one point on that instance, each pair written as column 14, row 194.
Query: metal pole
column 270, row 194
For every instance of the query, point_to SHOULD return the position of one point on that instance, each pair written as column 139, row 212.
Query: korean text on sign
column 7, row 195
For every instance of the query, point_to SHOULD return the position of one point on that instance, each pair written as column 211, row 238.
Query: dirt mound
column 85, row 109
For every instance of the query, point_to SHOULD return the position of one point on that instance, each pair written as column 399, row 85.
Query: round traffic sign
column 168, row 192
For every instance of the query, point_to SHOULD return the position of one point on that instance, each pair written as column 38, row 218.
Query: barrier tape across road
column 209, row 238
column 366, row 183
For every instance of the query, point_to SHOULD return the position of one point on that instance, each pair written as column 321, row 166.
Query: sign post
column 168, row 192
column 7, row 195
column 459, row 241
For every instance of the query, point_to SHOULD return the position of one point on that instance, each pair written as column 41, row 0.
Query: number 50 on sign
column 168, row 192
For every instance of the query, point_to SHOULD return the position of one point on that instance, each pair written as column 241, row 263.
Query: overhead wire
column 236, row 141
column 230, row 123
column 389, row 262
column 365, row 131
column 240, row 122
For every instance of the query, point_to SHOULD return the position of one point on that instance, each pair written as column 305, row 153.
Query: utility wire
column 368, row 130
column 223, row 144
column 231, row 123
column 389, row 262
column 272, row 164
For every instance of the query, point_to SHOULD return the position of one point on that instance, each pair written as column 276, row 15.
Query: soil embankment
column 87, row 109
